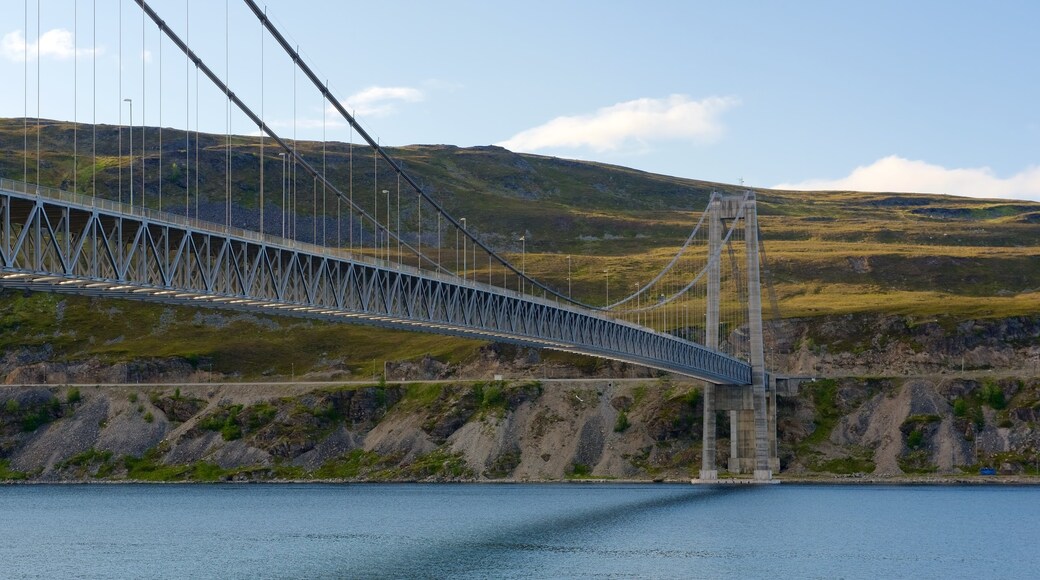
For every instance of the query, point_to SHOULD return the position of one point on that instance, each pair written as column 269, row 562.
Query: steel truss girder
column 59, row 245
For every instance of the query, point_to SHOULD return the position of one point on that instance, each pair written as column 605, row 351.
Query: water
column 518, row 531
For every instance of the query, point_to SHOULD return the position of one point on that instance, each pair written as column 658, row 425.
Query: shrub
column 231, row 431
column 259, row 415
column 148, row 417
column 205, row 471
column 915, row 439
column 993, row 396
column 492, row 396
column 73, row 396
column 41, row 416
column 580, row 470
column 8, row 474
column 621, row 424
column 960, row 408
column 11, row 406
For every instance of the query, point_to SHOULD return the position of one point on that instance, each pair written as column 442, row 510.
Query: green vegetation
column 824, row 397
column 960, row 408
column 149, row 467
column 915, row 439
column 8, row 474
column 436, row 464
column 917, row 428
column 32, row 417
column 861, row 463
column 248, row 346
column 73, row 396
column 420, row 395
column 993, row 396
column 350, row 466
column 258, row 415
column 917, row 462
column 86, row 458
column 90, row 463
column 621, row 424
column 579, row 471
column 638, row 395
column 496, row 397
column 226, row 421
column 503, row 465
column 491, row 395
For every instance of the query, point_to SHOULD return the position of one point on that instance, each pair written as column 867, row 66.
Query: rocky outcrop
column 522, row 430
column 886, row 345
column 525, row 431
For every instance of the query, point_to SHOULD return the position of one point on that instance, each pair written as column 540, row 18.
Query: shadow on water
column 498, row 550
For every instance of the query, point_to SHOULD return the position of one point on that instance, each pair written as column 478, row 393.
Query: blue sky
column 924, row 96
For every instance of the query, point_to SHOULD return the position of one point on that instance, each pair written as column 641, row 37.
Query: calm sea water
column 518, row 531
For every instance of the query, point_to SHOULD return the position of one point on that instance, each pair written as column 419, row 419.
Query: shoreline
column 950, row 480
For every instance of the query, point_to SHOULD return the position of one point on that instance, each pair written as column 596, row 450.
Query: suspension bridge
column 347, row 234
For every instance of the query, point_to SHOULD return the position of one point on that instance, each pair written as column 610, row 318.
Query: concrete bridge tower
column 752, row 407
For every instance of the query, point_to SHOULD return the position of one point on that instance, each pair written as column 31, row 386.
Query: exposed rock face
column 941, row 421
column 521, row 431
column 36, row 366
column 529, row 431
column 885, row 345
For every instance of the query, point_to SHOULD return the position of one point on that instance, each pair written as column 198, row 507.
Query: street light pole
column 463, row 222
column 282, row 155
column 131, row 101
column 638, row 302
column 386, row 192
column 523, row 261
column 568, row 276
column 607, row 272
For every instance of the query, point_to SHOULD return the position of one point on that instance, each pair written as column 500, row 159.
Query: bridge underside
column 57, row 241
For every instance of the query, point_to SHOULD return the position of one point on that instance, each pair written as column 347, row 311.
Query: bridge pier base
column 740, row 401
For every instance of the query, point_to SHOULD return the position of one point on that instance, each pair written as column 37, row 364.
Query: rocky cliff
column 894, row 395
column 515, row 430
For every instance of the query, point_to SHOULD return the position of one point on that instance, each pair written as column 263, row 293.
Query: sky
column 923, row 96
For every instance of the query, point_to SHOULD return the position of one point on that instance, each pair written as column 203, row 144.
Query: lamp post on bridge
column 523, row 261
column 635, row 290
column 282, row 155
column 568, row 276
column 131, row 101
column 386, row 192
column 607, row 272
column 463, row 222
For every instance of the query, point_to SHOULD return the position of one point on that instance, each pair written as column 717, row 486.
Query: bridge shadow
column 504, row 551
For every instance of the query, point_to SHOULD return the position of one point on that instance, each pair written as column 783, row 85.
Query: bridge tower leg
column 711, row 339
column 752, row 407
column 758, row 365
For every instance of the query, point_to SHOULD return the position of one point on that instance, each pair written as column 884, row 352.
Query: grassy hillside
column 831, row 253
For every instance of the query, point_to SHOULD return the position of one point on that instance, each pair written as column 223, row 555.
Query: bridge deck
column 55, row 240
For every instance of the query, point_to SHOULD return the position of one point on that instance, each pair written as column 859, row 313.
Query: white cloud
column 381, row 101
column 893, row 173
column 677, row 117
column 57, row 43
